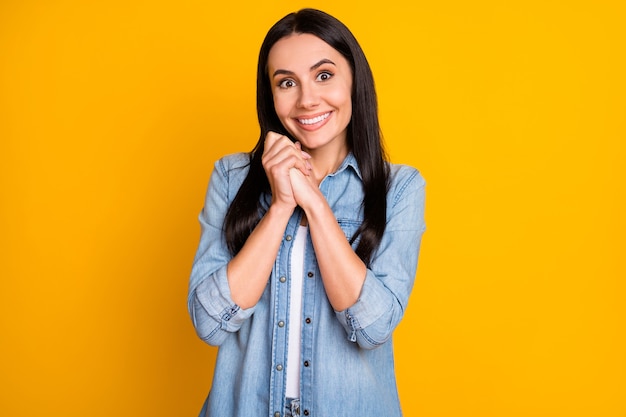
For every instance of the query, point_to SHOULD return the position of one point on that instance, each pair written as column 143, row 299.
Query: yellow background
column 112, row 113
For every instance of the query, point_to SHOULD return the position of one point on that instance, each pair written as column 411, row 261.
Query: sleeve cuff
column 371, row 305
column 214, row 295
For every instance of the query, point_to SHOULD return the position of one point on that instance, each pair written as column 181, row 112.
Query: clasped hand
column 288, row 170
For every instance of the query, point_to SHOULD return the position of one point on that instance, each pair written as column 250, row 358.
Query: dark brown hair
column 364, row 137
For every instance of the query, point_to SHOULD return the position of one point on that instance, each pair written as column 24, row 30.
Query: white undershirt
column 295, row 313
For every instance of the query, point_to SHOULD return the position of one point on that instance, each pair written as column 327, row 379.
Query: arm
column 370, row 304
column 250, row 269
column 224, row 291
column 213, row 312
column 342, row 271
column 389, row 280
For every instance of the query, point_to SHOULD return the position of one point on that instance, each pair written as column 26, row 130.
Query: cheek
column 343, row 102
column 282, row 106
column 342, row 97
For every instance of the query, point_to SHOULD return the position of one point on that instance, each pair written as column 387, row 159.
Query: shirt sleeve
column 391, row 275
column 213, row 312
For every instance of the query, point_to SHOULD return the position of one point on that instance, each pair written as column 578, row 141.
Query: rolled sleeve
column 372, row 305
column 213, row 312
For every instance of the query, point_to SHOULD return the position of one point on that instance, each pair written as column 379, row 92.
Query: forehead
column 301, row 50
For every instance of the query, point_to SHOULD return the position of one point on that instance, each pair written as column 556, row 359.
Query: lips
column 313, row 120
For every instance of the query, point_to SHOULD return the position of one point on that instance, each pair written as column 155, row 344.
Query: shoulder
column 404, row 179
column 229, row 172
column 233, row 164
column 406, row 198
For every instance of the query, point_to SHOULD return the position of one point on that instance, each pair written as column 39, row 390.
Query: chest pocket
column 349, row 228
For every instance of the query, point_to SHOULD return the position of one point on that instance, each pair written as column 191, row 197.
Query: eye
column 324, row 76
column 287, row 83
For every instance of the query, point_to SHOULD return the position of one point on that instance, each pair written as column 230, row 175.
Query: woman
column 309, row 243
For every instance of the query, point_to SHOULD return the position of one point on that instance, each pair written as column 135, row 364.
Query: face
column 312, row 85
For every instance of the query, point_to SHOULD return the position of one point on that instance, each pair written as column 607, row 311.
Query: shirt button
column 281, row 323
column 279, row 367
column 282, row 279
column 307, row 320
column 306, row 412
column 306, row 364
column 310, row 274
column 277, row 414
column 288, row 238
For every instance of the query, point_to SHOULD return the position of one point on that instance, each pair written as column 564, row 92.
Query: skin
column 312, row 97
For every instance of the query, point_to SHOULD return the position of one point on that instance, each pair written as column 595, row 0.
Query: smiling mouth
column 314, row 120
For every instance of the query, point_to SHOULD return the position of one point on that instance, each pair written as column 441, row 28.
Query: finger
column 273, row 148
column 300, row 184
column 283, row 155
column 295, row 176
column 304, row 154
column 271, row 137
column 276, row 144
column 277, row 164
column 285, row 160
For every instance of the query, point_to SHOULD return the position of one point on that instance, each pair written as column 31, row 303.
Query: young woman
column 310, row 242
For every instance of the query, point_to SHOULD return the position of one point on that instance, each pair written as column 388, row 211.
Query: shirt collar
column 349, row 161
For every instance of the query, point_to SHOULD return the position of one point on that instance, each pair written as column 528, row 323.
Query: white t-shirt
column 294, row 325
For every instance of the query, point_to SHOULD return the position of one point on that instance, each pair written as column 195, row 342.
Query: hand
column 279, row 156
column 305, row 191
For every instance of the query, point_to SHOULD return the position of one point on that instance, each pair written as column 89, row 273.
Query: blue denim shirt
column 347, row 363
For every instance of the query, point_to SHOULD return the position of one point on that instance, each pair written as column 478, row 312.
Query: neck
column 326, row 161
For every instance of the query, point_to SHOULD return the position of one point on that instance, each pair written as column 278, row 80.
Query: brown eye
column 324, row 76
column 287, row 83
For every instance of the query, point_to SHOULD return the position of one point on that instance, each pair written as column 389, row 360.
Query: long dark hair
column 363, row 136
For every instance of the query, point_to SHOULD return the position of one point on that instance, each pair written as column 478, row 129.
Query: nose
column 309, row 96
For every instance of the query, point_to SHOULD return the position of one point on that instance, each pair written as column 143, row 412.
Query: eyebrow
column 313, row 67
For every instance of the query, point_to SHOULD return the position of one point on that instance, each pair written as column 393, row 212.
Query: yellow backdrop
column 112, row 113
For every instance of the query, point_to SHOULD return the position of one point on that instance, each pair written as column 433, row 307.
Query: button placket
column 280, row 312
column 310, row 287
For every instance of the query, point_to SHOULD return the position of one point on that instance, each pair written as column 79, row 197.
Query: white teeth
column 314, row 120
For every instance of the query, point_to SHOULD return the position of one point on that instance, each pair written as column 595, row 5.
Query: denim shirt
column 347, row 365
